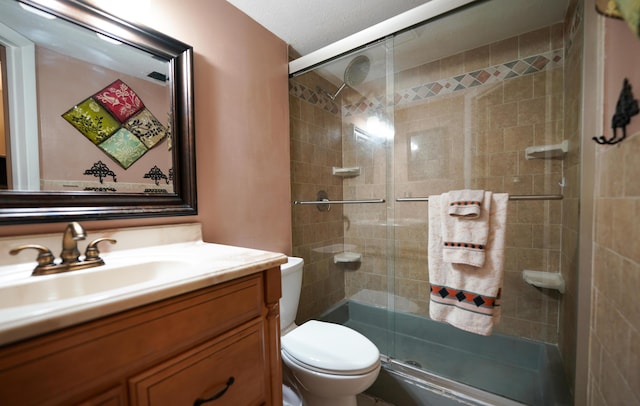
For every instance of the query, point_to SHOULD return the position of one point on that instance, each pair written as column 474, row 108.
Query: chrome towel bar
column 418, row 199
column 327, row 201
column 511, row 197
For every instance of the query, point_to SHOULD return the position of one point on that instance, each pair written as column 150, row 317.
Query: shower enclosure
column 459, row 102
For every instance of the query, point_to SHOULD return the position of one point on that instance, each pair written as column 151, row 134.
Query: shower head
column 357, row 70
column 355, row 73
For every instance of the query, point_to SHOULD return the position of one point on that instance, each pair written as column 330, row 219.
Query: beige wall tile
column 548, row 132
column 628, row 277
column 530, row 258
column 535, row 42
column 504, row 51
column 613, row 385
column 631, row 167
column 503, row 163
column 630, row 368
column 532, row 111
column 517, row 89
column 557, row 36
column 503, row 115
column 452, row 65
column 476, row 59
column 518, row 184
column 625, row 234
column 520, row 235
column 430, row 72
column 548, row 82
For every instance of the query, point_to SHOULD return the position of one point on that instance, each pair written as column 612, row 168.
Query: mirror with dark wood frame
column 19, row 206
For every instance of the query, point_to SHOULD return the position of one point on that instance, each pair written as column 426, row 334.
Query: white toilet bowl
column 330, row 363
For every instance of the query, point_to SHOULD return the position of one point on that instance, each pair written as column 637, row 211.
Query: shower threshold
column 434, row 358
column 403, row 384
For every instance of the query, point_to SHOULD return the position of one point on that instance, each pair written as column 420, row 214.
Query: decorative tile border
column 491, row 75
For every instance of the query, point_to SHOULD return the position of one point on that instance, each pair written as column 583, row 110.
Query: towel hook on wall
column 626, row 107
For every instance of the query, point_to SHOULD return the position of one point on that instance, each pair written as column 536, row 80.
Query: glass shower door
column 384, row 127
column 465, row 120
column 368, row 133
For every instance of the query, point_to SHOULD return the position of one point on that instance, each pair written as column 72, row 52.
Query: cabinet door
column 114, row 397
column 208, row 370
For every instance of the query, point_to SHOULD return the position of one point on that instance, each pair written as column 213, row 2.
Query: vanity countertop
column 158, row 263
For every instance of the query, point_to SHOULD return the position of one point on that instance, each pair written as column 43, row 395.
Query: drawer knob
column 218, row 395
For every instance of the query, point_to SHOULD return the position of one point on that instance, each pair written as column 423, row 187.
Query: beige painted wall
column 242, row 127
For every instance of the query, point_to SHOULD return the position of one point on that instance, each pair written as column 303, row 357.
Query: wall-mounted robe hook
column 626, row 107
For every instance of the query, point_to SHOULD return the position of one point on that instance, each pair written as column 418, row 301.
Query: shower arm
column 333, row 97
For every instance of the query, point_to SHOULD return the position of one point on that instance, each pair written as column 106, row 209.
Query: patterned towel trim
column 466, row 203
column 466, row 245
column 471, row 301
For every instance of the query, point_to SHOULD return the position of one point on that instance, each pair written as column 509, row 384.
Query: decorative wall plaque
column 116, row 120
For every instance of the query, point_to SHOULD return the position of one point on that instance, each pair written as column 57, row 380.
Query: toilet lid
column 331, row 347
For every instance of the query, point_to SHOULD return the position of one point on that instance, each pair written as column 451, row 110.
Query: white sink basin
column 69, row 285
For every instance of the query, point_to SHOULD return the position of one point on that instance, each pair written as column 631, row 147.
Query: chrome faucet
column 70, row 255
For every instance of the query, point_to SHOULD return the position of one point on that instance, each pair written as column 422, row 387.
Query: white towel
column 464, row 296
column 464, row 240
column 465, row 203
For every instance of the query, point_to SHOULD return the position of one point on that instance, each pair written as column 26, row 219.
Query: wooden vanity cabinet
column 170, row 352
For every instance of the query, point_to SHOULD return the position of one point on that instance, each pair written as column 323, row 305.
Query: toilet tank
column 291, row 274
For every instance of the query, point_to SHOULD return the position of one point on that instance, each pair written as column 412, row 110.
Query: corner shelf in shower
column 548, row 280
column 346, row 172
column 547, row 151
column 347, row 257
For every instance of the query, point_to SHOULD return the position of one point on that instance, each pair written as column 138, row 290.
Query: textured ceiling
column 308, row 25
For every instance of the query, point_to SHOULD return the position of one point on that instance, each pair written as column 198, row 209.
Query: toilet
column 328, row 363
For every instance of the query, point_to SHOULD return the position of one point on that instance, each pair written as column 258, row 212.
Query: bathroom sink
column 124, row 273
column 71, row 285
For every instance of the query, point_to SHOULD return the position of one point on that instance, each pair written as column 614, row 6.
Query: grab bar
column 511, row 197
column 327, row 201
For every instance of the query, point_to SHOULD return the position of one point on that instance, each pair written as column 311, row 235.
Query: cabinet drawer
column 205, row 370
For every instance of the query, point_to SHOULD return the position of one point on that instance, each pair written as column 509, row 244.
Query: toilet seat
column 289, row 360
column 331, row 349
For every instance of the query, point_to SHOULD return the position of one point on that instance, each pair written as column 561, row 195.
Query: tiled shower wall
column 316, row 147
column 570, row 204
column 471, row 116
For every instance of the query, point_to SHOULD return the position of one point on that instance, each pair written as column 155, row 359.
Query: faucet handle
column 92, row 253
column 45, row 257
